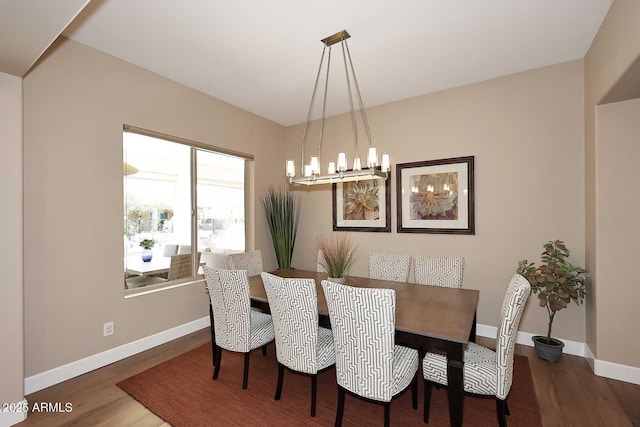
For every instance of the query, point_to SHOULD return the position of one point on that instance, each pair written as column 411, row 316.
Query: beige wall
column 607, row 67
column 75, row 102
column 618, row 151
column 11, row 312
column 526, row 133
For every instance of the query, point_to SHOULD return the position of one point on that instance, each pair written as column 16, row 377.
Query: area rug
column 181, row 392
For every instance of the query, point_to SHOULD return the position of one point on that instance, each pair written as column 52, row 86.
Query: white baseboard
column 617, row 371
column 82, row 366
column 602, row 368
column 9, row 418
column 570, row 347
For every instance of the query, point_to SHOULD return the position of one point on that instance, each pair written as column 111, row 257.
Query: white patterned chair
column 319, row 267
column 389, row 267
column 445, row 271
column 250, row 261
column 485, row 372
column 368, row 363
column 301, row 345
column 216, row 260
column 237, row 327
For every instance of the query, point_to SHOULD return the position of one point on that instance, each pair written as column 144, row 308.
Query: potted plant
column 282, row 209
column 147, row 252
column 337, row 254
column 557, row 282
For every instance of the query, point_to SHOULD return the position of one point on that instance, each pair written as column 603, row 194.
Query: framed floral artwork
column 436, row 196
column 362, row 205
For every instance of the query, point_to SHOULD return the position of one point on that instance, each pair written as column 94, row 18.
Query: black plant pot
column 549, row 351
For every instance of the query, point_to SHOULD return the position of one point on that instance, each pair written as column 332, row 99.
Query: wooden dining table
column 427, row 318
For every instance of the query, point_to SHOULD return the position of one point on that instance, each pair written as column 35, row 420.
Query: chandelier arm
column 313, row 97
column 324, row 103
column 354, row 117
column 355, row 81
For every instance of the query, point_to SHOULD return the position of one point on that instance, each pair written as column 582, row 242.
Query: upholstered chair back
column 389, row 267
column 445, row 271
column 294, row 309
column 319, row 267
column 230, row 302
column 250, row 261
column 363, row 325
column 512, row 308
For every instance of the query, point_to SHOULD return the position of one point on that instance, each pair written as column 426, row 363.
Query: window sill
column 145, row 290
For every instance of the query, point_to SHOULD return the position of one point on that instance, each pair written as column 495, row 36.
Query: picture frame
column 436, row 196
column 355, row 216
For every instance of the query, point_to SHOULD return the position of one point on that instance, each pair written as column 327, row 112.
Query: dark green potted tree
column 557, row 282
column 282, row 209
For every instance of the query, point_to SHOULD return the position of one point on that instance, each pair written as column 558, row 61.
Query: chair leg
column 245, row 376
column 387, row 416
column 414, row 391
column 500, row 409
column 218, row 357
column 506, row 408
column 427, row 400
column 264, row 350
column 213, row 336
column 314, row 388
column 340, row 409
column 280, row 380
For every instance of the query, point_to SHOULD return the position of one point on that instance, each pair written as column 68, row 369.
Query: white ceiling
column 263, row 56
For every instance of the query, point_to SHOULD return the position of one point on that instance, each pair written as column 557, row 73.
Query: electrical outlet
column 107, row 329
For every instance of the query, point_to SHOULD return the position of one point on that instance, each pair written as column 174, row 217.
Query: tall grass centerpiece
column 282, row 209
column 338, row 253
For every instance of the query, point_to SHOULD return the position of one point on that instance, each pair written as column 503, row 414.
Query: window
column 167, row 179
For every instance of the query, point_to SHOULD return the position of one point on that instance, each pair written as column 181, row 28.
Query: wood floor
column 568, row 393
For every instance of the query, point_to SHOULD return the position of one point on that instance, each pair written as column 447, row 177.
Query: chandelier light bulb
column 315, row 165
column 342, row 162
column 386, row 163
column 356, row 164
column 331, row 169
column 372, row 157
column 307, row 170
column 291, row 168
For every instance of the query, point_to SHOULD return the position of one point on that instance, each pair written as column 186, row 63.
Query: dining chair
column 445, row 271
column 389, row 267
column 302, row 346
column 184, row 249
column 368, row 363
column 319, row 267
column 250, row 261
column 170, row 249
column 217, row 260
column 485, row 372
column 180, row 266
column 237, row 327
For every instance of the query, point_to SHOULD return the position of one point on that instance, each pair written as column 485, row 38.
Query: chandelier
column 311, row 173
